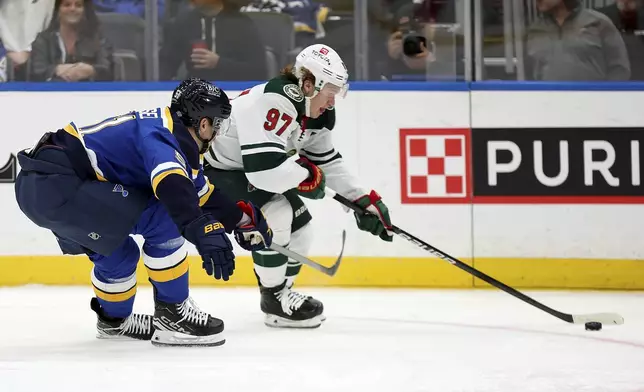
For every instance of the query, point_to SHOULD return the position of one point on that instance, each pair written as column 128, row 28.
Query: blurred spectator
column 386, row 10
column 407, row 46
column 308, row 17
column 172, row 8
column 215, row 42
column 570, row 43
column 20, row 23
column 3, row 63
column 411, row 51
column 134, row 7
column 628, row 17
column 435, row 11
column 72, row 48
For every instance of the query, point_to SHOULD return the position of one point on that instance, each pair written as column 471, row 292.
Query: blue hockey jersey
column 141, row 149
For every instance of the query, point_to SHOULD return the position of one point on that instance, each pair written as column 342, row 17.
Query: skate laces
column 191, row 312
column 290, row 300
column 137, row 324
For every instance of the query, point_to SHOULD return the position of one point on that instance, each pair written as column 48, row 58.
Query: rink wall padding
column 363, row 272
column 536, row 184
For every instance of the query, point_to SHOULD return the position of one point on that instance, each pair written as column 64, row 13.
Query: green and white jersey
column 269, row 131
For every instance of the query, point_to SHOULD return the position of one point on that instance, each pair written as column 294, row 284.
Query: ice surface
column 373, row 340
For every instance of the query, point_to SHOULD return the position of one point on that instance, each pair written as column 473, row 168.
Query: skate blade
column 274, row 321
column 119, row 338
column 178, row 339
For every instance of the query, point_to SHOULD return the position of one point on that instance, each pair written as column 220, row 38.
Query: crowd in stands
column 105, row 40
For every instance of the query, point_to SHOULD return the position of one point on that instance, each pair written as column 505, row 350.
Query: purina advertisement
column 530, row 187
column 557, row 165
column 521, row 165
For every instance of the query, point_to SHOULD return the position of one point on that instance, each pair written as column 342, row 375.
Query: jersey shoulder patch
column 294, row 92
column 286, row 88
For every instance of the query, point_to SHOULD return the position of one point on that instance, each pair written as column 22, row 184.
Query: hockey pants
column 286, row 214
column 97, row 218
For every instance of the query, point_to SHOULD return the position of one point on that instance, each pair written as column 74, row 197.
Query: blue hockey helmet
column 195, row 99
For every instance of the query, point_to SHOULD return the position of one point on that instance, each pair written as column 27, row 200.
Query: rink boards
column 537, row 186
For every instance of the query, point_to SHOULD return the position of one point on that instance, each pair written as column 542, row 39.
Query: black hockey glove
column 255, row 235
column 211, row 240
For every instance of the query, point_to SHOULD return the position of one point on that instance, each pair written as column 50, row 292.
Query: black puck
column 593, row 326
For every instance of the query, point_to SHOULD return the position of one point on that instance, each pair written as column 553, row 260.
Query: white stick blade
column 604, row 318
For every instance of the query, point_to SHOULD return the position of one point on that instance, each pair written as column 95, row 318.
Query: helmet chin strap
column 205, row 143
column 307, row 107
column 307, row 100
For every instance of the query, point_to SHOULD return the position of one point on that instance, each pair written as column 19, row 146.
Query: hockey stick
column 330, row 271
column 604, row 318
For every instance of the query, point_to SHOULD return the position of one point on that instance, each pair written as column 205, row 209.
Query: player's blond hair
column 289, row 72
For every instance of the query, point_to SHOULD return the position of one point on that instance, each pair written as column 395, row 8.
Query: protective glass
column 333, row 90
column 220, row 126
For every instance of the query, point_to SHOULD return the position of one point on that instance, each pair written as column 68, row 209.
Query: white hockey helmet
column 326, row 65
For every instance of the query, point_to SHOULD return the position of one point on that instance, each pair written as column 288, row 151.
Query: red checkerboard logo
column 435, row 166
column 324, row 51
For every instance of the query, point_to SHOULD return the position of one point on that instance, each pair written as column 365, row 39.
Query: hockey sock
column 116, row 296
column 168, row 272
column 301, row 240
column 271, row 267
column 291, row 272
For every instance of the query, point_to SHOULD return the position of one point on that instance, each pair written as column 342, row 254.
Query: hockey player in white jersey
column 278, row 148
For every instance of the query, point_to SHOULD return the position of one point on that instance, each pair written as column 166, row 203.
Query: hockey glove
column 313, row 186
column 255, row 235
column 212, row 243
column 377, row 222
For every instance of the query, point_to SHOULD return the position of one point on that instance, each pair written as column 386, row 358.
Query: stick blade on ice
column 604, row 318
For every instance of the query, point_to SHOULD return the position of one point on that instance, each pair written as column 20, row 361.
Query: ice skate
column 185, row 324
column 134, row 327
column 285, row 308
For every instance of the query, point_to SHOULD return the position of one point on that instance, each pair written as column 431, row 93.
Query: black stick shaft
column 457, row 263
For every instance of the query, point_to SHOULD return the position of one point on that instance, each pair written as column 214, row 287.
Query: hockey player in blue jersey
column 141, row 173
